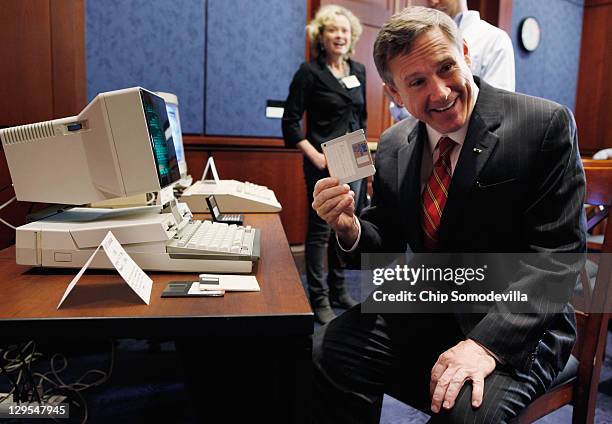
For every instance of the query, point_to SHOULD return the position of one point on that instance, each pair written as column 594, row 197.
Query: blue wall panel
column 157, row 44
column 254, row 48
column 552, row 70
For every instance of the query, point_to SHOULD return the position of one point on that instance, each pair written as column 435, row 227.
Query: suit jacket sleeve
column 553, row 222
column 380, row 222
column 295, row 105
column 377, row 221
column 364, row 113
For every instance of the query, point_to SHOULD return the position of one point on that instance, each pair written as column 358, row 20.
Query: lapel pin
column 477, row 150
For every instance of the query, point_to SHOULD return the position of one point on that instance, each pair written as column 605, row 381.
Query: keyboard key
column 214, row 237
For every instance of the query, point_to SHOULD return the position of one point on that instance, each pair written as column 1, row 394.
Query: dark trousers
column 321, row 242
column 359, row 357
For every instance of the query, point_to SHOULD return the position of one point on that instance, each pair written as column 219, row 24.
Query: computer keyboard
column 207, row 237
column 255, row 190
column 232, row 196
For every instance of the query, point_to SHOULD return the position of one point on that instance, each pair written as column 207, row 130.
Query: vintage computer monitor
column 172, row 109
column 120, row 145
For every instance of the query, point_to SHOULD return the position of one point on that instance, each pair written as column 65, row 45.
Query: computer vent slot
column 24, row 133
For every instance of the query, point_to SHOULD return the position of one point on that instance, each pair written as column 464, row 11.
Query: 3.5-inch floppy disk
column 348, row 157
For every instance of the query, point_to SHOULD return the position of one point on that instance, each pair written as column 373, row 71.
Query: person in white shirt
column 490, row 48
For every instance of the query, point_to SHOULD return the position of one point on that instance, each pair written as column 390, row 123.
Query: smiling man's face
column 434, row 82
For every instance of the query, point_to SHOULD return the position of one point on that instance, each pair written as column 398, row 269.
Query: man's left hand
column 467, row 360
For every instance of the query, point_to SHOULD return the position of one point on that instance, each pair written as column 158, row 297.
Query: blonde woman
column 331, row 90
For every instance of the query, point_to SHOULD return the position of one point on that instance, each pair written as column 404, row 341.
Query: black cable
column 19, row 359
column 18, row 395
column 16, row 390
column 11, row 381
column 27, row 370
column 77, row 386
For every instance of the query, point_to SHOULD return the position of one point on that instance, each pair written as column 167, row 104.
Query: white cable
column 8, row 202
column 58, row 363
column 7, row 224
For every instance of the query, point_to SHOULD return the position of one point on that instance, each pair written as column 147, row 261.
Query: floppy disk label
column 348, row 157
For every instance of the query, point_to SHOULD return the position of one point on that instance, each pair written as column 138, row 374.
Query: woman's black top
column 331, row 109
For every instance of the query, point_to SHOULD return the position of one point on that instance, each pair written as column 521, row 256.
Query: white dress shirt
column 490, row 50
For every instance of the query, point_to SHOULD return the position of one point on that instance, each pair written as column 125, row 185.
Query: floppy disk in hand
column 348, row 157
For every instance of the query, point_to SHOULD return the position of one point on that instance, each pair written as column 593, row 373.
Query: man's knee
column 341, row 350
column 317, row 347
column 324, row 356
column 495, row 409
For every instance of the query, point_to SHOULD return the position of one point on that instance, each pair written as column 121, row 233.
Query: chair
column 603, row 154
column 595, row 215
column 577, row 383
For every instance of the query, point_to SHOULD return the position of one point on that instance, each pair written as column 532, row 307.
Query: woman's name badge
column 351, row 81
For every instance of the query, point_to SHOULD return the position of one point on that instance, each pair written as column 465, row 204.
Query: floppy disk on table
column 348, row 157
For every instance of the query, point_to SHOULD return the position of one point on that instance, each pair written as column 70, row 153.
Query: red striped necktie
column 436, row 193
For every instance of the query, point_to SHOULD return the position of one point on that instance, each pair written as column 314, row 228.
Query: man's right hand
column 335, row 204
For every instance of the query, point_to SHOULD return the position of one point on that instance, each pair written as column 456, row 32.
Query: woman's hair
column 324, row 16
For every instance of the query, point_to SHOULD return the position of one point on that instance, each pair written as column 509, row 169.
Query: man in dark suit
column 485, row 170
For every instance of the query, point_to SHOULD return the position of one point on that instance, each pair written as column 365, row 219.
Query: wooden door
column 593, row 104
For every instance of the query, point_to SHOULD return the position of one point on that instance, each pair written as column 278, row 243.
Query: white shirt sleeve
column 354, row 246
column 498, row 62
column 491, row 51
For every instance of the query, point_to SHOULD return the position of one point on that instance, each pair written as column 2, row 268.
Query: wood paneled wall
column 495, row 12
column 42, row 76
column 593, row 104
column 43, row 49
column 279, row 169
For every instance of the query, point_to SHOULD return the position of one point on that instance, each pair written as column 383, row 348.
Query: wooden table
column 271, row 328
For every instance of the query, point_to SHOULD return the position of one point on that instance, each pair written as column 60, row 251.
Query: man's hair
column 397, row 35
column 324, row 16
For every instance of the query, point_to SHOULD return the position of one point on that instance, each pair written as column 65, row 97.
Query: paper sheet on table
column 131, row 273
column 231, row 282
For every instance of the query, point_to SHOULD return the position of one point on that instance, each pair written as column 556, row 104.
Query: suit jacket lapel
column 409, row 158
column 477, row 148
column 329, row 79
